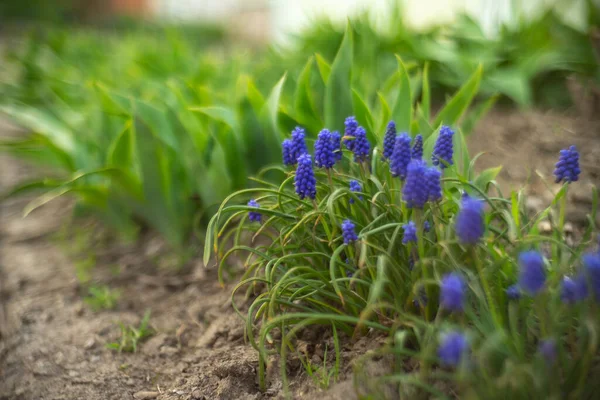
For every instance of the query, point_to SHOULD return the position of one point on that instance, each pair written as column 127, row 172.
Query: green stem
column 486, row 288
column 417, row 215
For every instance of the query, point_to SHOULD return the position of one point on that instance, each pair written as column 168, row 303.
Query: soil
column 53, row 346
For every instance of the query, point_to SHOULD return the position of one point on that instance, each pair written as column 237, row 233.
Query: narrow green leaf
column 402, row 111
column 324, row 68
column 363, row 115
column 461, row 100
column 485, row 177
column 475, row 115
column 338, row 96
column 426, row 95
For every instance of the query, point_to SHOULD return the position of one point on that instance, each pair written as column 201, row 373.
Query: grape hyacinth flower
column 355, row 186
column 452, row 292
column 426, row 226
column 433, row 178
column 336, row 138
column 469, row 221
column 452, row 348
column 547, row 349
column 389, row 140
column 400, row 156
column 349, row 232
column 324, row 150
column 417, row 149
column 361, row 147
column 573, row 289
column 306, row 184
column 591, row 263
column 298, row 144
column 567, row 167
column 410, row 232
column 513, row 292
column 443, row 150
column 350, row 125
column 531, row 275
column 288, row 159
column 415, row 191
column 254, row 216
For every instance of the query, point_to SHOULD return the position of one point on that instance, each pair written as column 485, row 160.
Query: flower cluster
column 400, row 156
column 355, row 186
column 389, row 140
column 443, row 150
column 417, row 149
column 349, row 232
column 469, row 221
column 254, row 216
column 305, row 182
column 422, row 184
column 325, row 150
column 567, row 167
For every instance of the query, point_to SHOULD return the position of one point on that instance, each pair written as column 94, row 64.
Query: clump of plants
column 404, row 238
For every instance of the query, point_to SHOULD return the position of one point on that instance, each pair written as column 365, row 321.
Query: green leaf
column 269, row 117
column 44, row 123
column 120, row 152
column 338, row 96
column 385, row 113
column 485, row 177
column 459, row 103
column 324, row 68
column 221, row 114
column 476, row 113
column 426, row 95
column 303, row 101
column 402, row 111
column 363, row 115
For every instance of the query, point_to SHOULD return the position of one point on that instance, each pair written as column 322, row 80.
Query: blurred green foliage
column 153, row 125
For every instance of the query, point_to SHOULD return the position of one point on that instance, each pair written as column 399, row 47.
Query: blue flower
column 410, row 232
column 417, row 150
column 355, row 186
column 426, row 226
column 415, row 192
column 400, row 156
column 349, row 232
column 288, row 159
column 324, row 150
column 452, row 348
column 567, row 167
column 573, row 289
column 469, row 221
column 306, row 184
column 254, row 216
column 443, row 149
column 452, row 292
column 547, row 349
column 350, row 125
column 361, row 147
column 336, row 138
column 513, row 292
column 389, row 140
column 532, row 275
column 433, row 178
column 298, row 144
column 591, row 263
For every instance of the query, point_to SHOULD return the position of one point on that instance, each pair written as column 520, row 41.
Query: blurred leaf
column 476, row 113
column 363, row 116
column 303, row 102
column 402, row 111
column 485, row 177
column 324, row 68
column 338, row 95
column 459, row 103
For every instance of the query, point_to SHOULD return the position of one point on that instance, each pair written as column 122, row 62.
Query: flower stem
column 486, row 288
column 421, row 250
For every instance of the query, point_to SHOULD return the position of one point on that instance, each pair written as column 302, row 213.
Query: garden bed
column 54, row 346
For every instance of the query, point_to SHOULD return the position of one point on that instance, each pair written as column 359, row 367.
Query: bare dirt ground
column 52, row 346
